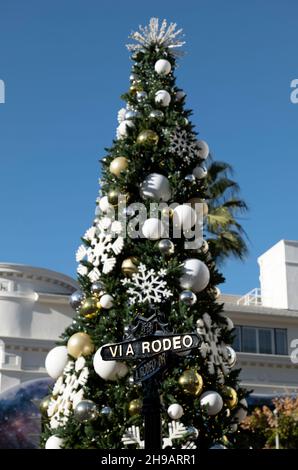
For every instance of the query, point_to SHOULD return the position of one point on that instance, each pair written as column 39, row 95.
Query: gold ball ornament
column 135, row 87
column 80, row 344
column 89, row 306
column 230, row 396
column 130, row 266
column 147, row 138
column 191, row 382
column 44, row 405
column 118, row 165
column 113, row 197
column 135, row 407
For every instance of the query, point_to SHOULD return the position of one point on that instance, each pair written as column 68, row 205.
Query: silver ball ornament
column 188, row 298
column 76, row 299
column 133, row 77
column 106, row 411
column 232, row 356
column 166, row 246
column 156, row 115
column 131, row 114
column 98, row 288
column 85, row 411
column 190, row 178
column 192, row 432
column 141, row 96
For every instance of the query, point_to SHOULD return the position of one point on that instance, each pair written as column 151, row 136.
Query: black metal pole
column 151, row 413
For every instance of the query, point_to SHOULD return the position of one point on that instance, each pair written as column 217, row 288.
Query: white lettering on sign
column 149, row 347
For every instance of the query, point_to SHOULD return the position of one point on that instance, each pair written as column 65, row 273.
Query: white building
column 266, row 322
column 34, row 311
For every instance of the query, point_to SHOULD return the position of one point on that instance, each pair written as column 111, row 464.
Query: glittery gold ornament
column 191, row 382
column 135, row 407
column 118, row 165
column 89, row 306
column 230, row 396
column 147, row 138
column 80, row 344
column 43, row 405
column 130, row 266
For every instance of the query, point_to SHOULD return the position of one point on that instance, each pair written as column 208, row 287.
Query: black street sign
column 150, row 367
column 149, row 346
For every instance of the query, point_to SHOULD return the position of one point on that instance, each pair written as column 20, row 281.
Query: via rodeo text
column 147, row 347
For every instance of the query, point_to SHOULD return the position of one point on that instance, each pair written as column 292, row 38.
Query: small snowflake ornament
column 147, row 286
column 67, row 392
column 177, row 430
column 103, row 244
column 213, row 349
column 184, row 144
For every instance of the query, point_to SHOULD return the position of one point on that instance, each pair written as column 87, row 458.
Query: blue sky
column 65, row 66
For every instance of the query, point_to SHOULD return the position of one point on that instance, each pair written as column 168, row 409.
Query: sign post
column 151, row 350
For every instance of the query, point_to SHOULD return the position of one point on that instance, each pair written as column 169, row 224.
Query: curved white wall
column 34, row 311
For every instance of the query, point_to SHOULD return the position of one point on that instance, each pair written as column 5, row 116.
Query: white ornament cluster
column 68, row 391
column 161, row 36
column 213, row 349
column 147, row 286
column 104, row 243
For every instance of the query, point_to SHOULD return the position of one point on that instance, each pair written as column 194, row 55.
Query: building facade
column 34, row 310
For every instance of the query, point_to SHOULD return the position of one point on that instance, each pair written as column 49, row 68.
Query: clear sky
column 65, row 66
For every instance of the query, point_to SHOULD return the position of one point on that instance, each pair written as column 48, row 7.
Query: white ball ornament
column 212, row 402
column 106, row 301
column 184, row 216
column 163, row 98
column 203, row 149
column 153, row 229
column 200, row 172
column 108, row 370
column 124, row 126
column 54, row 442
column 56, row 361
column 156, row 187
column 104, row 204
column 180, row 95
column 195, row 275
column 162, row 67
column 175, row 411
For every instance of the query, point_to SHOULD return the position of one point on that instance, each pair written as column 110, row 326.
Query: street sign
column 149, row 346
column 150, row 367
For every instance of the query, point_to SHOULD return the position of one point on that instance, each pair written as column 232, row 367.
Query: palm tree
column 226, row 236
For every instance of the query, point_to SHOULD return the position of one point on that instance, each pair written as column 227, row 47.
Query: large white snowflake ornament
column 68, row 391
column 213, row 349
column 147, row 286
column 104, row 243
column 177, row 430
column 161, row 36
column 184, row 144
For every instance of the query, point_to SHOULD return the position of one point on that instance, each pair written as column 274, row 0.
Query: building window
column 261, row 340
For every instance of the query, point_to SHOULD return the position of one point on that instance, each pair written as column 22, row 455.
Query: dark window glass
column 237, row 338
column 281, row 341
column 265, row 340
column 249, row 339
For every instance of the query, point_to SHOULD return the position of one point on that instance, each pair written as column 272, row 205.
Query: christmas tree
column 149, row 335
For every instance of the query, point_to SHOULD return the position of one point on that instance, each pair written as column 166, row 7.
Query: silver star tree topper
column 164, row 36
